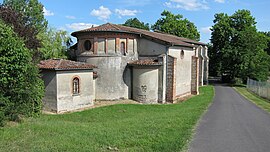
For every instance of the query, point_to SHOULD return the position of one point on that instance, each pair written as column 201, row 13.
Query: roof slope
column 62, row 64
column 171, row 39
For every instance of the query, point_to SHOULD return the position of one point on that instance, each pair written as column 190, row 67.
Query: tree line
column 237, row 49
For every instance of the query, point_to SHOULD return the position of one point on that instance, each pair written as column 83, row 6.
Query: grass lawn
column 262, row 103
column 111, row 128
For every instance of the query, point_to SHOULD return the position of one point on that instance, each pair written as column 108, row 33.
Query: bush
column 21, row 88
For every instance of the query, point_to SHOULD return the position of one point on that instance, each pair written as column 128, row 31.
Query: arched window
column 87, row 45
column 123, row 48
column 182, row 54
column 76, row 86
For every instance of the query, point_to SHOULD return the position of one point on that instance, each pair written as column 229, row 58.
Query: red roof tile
column 61, row 64
column 145, row 62
column 173, row 40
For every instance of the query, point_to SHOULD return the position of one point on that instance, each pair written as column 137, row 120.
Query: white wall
column 66, row 101
column 145, row 84
column 183, row 69
column 147, row 47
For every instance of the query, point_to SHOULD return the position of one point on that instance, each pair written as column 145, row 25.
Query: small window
column 76, row 86
column 87, row 45
column 182, row 54
column 123, row 48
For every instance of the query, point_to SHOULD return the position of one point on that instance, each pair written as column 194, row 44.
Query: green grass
column 260, row 102
column 125, row 127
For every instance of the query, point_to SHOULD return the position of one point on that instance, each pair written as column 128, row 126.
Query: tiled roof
column 173, row 40
column 62, row 64
column 145, row 62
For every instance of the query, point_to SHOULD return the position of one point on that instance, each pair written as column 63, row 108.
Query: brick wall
column 195, row 76
column 171, row 79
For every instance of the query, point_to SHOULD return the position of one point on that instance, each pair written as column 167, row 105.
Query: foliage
column 49, row 43
column 21, row 26
column 237, row 47
column 32, row 10
column 54, row 44
column 267, row 34
column 176, row 25
column 126, row 127
column 21, row 88
column 136, row 23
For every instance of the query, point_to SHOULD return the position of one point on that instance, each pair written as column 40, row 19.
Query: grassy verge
column 262, row 103
column 112, row 128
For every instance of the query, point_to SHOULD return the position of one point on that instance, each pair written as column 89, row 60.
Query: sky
column 73, row 15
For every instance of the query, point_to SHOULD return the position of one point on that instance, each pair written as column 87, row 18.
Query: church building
column 126, row 63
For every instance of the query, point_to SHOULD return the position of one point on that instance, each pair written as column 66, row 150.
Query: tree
column 43, row 42
column 20, row 26
column 237, row 46
column 54, row 44
column 136, row 23
column 267, row 34
column 21, row 89
column 32, row 10
column 176, row 25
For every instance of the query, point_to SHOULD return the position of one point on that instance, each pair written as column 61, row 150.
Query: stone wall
column 114, row 76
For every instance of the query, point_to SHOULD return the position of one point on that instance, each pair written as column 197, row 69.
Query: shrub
column 21, row 89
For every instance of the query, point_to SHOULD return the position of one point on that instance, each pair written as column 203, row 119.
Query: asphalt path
column 232, row 124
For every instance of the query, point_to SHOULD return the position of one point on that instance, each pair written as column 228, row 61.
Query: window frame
column 78, row 86
column 123, row 48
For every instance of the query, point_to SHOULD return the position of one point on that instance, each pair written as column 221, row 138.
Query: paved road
column 232, row 124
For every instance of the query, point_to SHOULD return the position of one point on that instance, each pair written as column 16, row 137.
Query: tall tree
column 32, row 10
column 21, row 89
column 136, row 23
column 176, row 25
column 49, row 43
column 54, row 44
column 237, row 46
column 20, row 26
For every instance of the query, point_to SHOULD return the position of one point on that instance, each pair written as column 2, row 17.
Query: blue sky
column 72, row 15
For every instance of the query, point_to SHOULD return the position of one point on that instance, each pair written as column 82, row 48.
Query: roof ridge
column 114, row 25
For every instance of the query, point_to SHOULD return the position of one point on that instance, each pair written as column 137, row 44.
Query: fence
column 260, row 88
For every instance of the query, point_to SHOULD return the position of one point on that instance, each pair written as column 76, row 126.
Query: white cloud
column 220, row 1
column 125, row 12
column 206, row 30
column 189, row 5
column 47, row 12
column 70, row 17
column 102, row 13
column 80, row 26
column 129, row 3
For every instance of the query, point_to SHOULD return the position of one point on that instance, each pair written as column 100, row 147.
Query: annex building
column 118, row 62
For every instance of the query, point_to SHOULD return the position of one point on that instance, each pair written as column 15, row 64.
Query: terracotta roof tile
column 173, row 40
column 145, row 62
column 62, row 64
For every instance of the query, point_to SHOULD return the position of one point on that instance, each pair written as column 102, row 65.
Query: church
column 115, row 62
